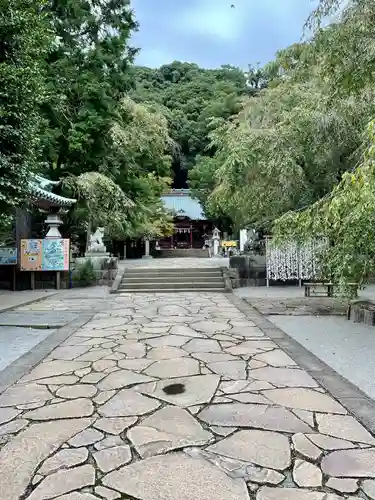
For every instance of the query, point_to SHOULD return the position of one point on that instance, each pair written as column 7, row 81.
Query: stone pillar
column 147, row 250
column 124, row 251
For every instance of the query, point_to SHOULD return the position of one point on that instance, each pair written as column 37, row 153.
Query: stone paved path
column 165, row 397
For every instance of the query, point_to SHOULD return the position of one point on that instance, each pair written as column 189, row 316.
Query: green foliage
column 273, row 147
column 140, row 167
column 103, row 144
column 191, row 96
column 270, row 158
column 24, row 41
column 140, row 141
column 346, row 217
column 142, row 158
column 286, row 160
column 84, row 275
column 87, row 73
column 345, row 214
column 105, row 202
column 346, row 49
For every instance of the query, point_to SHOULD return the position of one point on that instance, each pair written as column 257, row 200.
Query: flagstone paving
column 177, row 397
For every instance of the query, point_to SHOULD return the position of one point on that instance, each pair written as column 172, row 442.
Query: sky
column 211, row 33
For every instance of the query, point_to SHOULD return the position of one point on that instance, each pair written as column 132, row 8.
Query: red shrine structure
column 191, row 228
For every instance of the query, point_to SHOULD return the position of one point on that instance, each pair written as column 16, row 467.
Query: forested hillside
column 190, row 97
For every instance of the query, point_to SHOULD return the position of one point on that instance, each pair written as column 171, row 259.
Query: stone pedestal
column 98, row 260
column 249, row 270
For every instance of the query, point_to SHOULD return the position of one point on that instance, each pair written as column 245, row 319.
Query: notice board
column 8, row 256
column 51, row 254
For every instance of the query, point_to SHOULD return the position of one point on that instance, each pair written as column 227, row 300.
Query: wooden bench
column 326, row 292
column 327, row 289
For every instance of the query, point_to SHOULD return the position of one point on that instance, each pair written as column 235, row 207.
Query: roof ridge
column 182, row 204
column 172, row 192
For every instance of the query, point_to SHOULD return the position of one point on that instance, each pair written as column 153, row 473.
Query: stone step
column 168, row 253
column 176, row 285
column 160, row 279
column 174, row 271
column 171, row 290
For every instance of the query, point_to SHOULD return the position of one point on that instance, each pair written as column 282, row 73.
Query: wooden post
column 32, row 280
column 58, row 280
column 14, row 278
column 191, row 235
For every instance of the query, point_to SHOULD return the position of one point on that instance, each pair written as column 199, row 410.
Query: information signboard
column 8, row 256
column 51, row 254
column 55, row 255
column 229, row 244
column 31, row 255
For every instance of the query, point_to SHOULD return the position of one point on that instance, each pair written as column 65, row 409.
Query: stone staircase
column 171, row 280
column 167, row 253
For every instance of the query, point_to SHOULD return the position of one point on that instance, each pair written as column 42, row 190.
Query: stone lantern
column 54, row 205
column 216, row 240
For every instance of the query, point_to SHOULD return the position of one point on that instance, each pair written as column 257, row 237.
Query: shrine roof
column 182, row 204
column 41, row 190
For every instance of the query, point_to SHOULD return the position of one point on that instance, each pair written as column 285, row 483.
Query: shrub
column 85, row 274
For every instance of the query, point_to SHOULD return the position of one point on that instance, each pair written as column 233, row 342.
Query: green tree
column 127, row 201
column 295, row 159
column 191, row 96
column 24, row 42
column 87, row 73
column 101, row 202
column 142, row 150
column 286, row 149
column 345, row 214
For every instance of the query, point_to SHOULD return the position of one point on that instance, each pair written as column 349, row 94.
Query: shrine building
column 191, row 227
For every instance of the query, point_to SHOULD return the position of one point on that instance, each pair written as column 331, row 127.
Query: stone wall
column 247, row 270
column 103, row 277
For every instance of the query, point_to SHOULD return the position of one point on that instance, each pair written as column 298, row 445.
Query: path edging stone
column 24, row 364
column 350, row 396
column 227, row 280
column 27, row 302
column 117, row 281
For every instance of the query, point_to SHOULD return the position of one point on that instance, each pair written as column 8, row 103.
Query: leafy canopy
column 24, row 41
column 87, row 73
column 294, row 160
column 345, row 215
column 190, row 96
